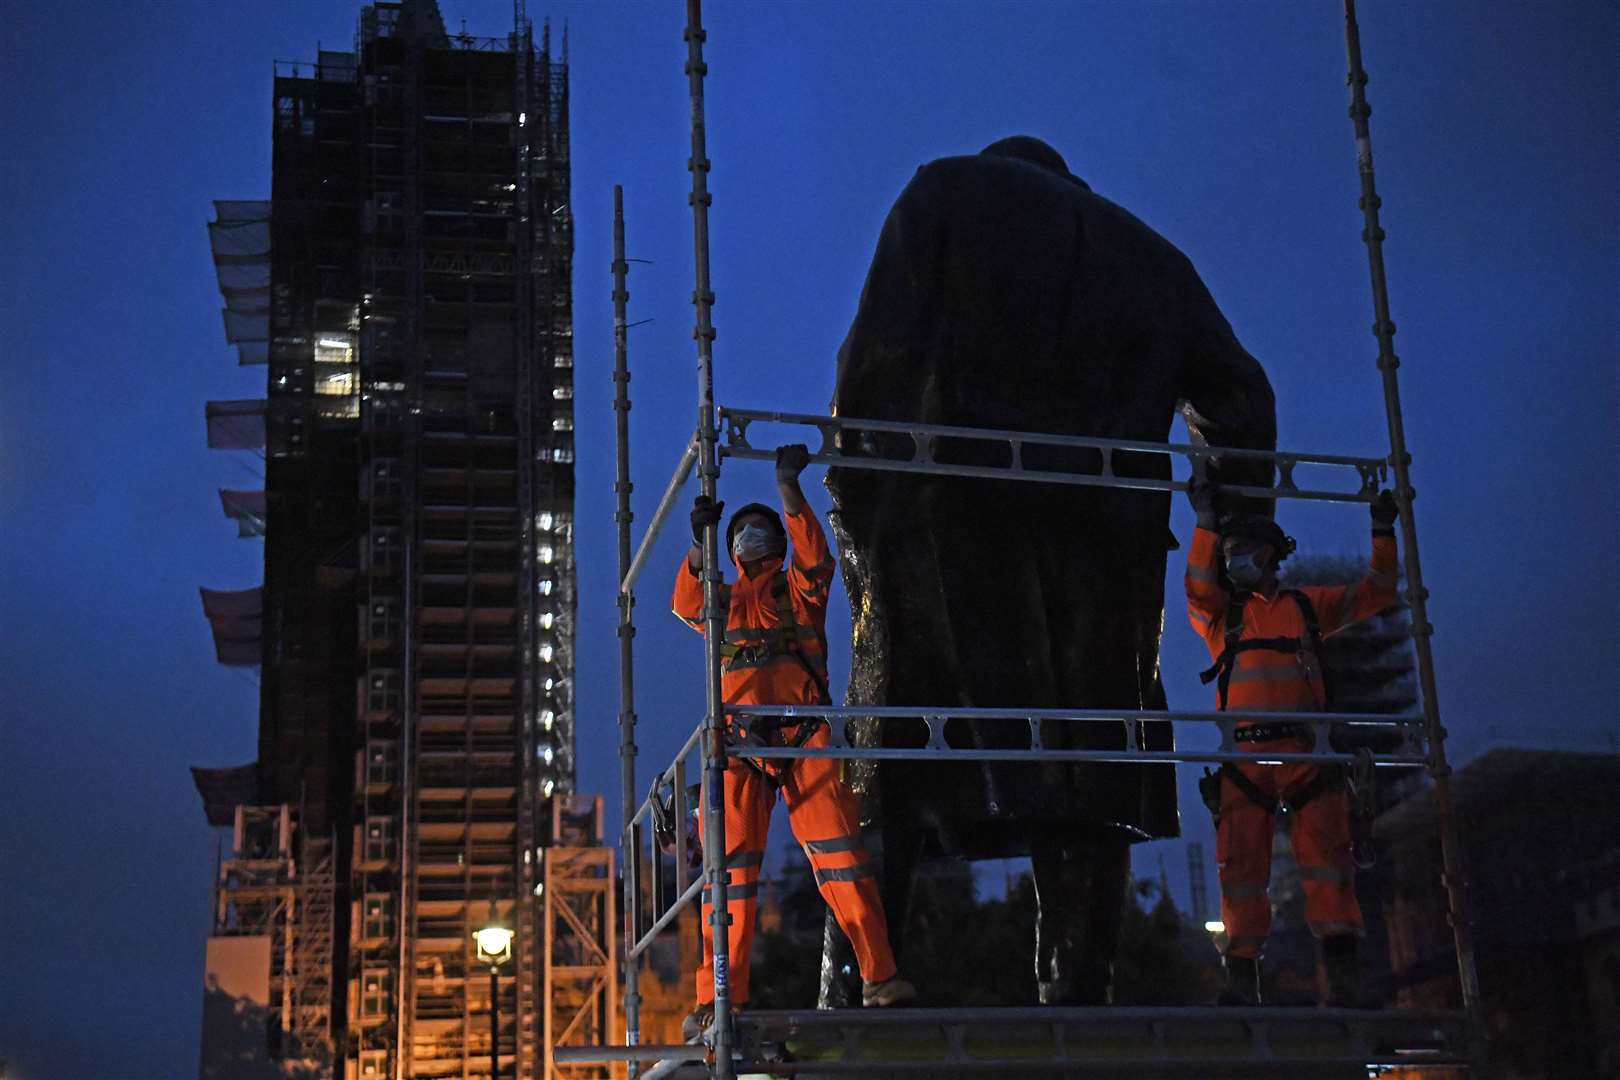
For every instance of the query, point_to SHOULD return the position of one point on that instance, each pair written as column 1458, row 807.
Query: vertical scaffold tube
column 713, row 741
column 1417, row 595
column 631, row 846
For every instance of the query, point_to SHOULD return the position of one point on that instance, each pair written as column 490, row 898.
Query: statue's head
column 1029, row 148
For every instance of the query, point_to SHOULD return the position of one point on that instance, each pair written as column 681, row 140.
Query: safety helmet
column 763, row 511
column 1261, row 529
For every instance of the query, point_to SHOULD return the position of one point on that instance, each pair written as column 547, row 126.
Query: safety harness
column 1358, row 778
column 780, row 640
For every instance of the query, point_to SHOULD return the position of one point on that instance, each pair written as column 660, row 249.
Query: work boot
column 1338, row 972
column 697, row 1022
column 891, row 991
column 1242, row 981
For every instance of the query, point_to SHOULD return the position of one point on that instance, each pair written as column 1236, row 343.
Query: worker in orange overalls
column 775, row 654
column 1265, row 643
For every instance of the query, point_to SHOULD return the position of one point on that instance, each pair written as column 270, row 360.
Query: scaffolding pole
column 623, row 516
column 1454, row 874
column 714, row 627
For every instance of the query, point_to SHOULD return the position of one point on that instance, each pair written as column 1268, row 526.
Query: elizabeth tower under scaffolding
column 408, row 287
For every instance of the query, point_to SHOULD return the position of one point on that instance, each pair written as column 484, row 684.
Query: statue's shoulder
column 979, row 187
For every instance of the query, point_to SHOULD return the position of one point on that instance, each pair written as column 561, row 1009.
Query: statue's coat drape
column 1004, row 293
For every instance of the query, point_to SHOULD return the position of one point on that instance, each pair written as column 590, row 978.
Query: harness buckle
column 750, row 655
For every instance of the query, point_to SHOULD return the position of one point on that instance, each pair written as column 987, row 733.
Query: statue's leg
column 1080, row 888
column 1081, row 875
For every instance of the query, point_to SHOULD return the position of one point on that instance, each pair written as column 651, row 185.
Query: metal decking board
column 1099, row 1042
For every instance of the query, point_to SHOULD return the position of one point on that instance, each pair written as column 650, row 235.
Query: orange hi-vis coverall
column 1268, row 680
column 765, row 670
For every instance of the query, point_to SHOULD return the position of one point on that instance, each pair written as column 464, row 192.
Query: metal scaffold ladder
column 1100, row 1041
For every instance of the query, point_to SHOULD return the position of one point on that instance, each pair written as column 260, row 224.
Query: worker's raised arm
column 1337, row 606
column 687, row 603
column 1206, row 600
column 811, row 570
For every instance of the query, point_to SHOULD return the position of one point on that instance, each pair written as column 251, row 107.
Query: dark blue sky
column 1223, row 126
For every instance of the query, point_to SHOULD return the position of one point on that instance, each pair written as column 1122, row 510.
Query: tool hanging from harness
column 781, row 640
column 1357, row 778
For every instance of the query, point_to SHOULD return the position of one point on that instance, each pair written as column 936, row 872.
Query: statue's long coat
column 1005, row 294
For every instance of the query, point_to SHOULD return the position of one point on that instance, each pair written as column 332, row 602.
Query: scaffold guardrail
column 925, row 438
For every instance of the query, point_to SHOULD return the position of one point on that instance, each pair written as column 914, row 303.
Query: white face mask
column 756, row 542
column 1244, row 571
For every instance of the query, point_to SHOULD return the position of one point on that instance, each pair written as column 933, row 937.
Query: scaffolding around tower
column 407, row 289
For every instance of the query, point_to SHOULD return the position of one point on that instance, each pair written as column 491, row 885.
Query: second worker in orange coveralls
column 775, row 654
column 1264, row 640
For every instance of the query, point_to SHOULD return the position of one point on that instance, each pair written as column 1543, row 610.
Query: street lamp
column 494, row 948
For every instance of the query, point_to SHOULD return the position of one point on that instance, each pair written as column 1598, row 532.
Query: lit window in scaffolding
column 545, row 520
column 546, row 587
column 547, row 718
column 548, row 787
column 546, row 553
column 563, row 454
column 334, row 350
column 548, row 684
column 546, row 653
column 562, row 423
column 343, row 384
column 546, row 753
column 562, row 393
column 546, row 619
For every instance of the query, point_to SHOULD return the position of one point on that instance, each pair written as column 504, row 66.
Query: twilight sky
column 1222, row 125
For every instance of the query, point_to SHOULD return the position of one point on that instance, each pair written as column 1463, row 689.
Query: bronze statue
column 1005, row 294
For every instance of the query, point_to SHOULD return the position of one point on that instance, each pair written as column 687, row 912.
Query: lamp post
column 494, row 948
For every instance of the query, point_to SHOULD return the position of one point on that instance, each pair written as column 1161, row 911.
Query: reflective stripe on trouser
column 825, row 819
column 1320, row 835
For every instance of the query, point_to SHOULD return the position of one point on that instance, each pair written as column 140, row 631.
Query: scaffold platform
column 1094, row 1042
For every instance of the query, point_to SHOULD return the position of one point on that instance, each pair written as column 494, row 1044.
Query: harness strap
column 783, row 638
column 763, row 729
column 1324, row 780
column 1234, row 644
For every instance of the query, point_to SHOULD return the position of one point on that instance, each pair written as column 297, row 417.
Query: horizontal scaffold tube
column 881, row 712
column 1115, row 757
column 1369, row 471
column 602, row 1055
column 936, row 745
